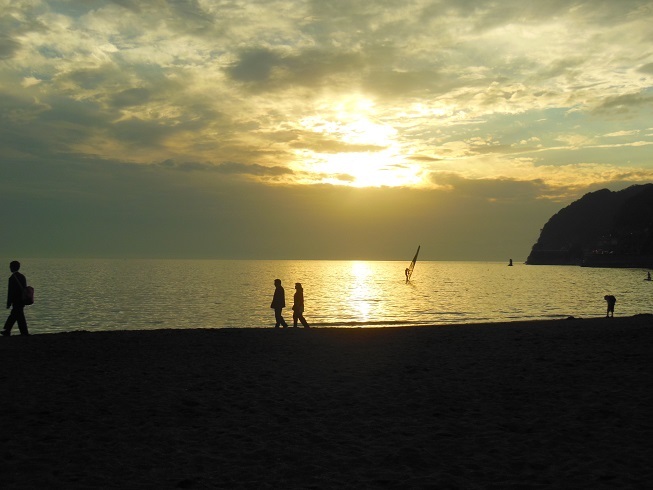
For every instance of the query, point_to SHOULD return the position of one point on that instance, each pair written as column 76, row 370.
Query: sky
column 314, row 129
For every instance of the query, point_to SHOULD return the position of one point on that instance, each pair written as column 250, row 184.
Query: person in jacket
column 298, row 306
column 15, row 301
column 279, row 303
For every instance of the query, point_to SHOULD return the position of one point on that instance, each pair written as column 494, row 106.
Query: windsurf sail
column 409, row 269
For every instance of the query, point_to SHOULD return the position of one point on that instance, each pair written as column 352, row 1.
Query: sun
column 355, row 149
column 370, row 169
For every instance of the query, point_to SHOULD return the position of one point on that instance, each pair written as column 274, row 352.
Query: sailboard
column 409, row 269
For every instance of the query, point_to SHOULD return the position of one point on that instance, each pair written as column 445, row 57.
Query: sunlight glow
column 366, row 169
column 367, row 151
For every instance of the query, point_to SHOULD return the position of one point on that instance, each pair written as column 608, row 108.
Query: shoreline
column 555, row 403
column 551, row 322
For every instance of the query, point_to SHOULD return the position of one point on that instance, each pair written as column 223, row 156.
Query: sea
column 116, row 294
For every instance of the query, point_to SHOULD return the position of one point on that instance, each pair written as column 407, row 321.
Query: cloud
column 229, row 168
column 101, row 77
column 8, row 47
column 258, row 170
column 322, row 143
column 131, row 97
column 70, row 209
column 254, row 65
column 625, row 104
column 501, row 189
column 618, row 134
column 132, row 5
column 264, row 69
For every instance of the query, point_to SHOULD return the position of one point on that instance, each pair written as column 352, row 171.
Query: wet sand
column 552, row 404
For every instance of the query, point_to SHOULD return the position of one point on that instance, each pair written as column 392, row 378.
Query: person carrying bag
column 19, row 294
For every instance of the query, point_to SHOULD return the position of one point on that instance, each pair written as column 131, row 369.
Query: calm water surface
column 148, row 294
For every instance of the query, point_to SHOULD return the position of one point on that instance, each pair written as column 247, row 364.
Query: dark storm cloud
column 186, row 8
column 376, row 68
column 82, row 115
column 562, row 67
column 227, row 168
column 139, row 132
column 488, row 14
column 131, row 97
column 133, row 5
column 38, row 128
column 627, row 103
column 314, row 67
column 496, row 189
column 405, row 83
column 105, row 76
column 8, row 47
column 265, row 69
column 189, row 9
column 647, row 68
column 109, row 79
column 232, row 168
column 254, row 65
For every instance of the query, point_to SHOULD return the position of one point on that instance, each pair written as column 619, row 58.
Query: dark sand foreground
column 555, row 404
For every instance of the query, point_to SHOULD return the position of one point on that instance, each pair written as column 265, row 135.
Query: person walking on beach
column 298, row 306
column 279, row 303
column 611, row 301
column 15, row 300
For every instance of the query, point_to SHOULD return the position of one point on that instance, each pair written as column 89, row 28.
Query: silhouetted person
column 648, row 276
column 279, row 303
column 407, row 272
column 15, row 301
column 611, row 301
column 298, row 306
column 510, row 262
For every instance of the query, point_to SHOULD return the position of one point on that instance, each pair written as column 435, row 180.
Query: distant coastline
column 602, row 229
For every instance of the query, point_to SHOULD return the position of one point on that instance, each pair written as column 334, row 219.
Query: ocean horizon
column 141, row 294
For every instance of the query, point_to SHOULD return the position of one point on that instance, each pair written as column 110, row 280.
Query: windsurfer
column 409, row 269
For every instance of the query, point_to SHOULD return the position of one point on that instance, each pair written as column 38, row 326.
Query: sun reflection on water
column 360, row 291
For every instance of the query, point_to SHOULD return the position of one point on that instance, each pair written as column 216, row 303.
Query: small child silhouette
column 611, row 301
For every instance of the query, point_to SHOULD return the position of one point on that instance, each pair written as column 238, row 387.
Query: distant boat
column 409, row 269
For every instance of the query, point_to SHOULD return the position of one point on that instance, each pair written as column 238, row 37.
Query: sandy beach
column 551, row 404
